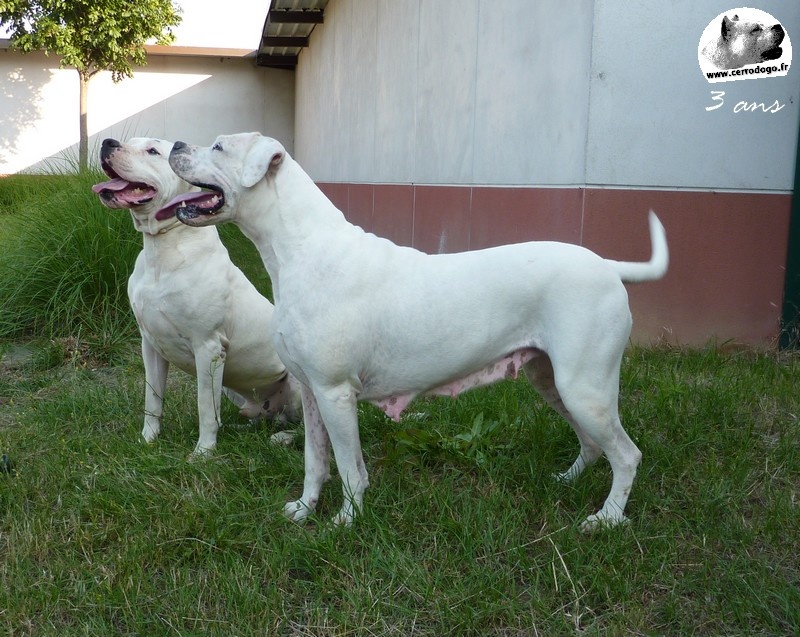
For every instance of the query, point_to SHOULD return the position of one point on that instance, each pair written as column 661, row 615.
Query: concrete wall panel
column 532, row 97
column 396, row 87
column 447, row 62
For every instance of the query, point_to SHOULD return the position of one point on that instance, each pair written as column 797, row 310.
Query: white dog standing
column 359, row 318
column 194, row 307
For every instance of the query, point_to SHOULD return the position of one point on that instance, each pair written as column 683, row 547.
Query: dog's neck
column 299, row 216
column 149, row 227
column 169, row 244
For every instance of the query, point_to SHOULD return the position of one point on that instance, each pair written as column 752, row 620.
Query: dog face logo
column 744, row 43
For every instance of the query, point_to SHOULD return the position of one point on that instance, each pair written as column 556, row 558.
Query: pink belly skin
column 502, row 369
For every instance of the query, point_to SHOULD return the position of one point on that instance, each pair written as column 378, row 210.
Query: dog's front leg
column 316, row 456
column 337, row 407
column 155, row 380
column 210, row 364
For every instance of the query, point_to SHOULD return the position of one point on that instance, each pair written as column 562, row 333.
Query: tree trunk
column 83, row 143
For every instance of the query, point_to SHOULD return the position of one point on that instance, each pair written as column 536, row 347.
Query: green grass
column 464, row 530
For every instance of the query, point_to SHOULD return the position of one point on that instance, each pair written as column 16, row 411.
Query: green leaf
column 97, row 34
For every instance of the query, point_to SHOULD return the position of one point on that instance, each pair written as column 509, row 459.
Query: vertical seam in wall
column 475, row 94
column 416, row 101
column 469, row 222
column 588, row 124
column 413, row 212
column 583, row 214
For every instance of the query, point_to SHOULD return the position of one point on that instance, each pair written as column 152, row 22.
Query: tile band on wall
column 727, row 250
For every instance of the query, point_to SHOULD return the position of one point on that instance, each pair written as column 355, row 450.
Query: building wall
column 648, row 123
column 458, row 124
column 174, row 97
column 446, row 92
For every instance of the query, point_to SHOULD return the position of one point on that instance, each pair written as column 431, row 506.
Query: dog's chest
column 160, row 318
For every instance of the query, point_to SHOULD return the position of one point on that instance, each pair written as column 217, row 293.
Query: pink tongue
column 114, row 184
column 186, row 197
column 169, row 209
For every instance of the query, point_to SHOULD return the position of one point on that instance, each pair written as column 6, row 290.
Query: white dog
column 359, row 318
column 194, row 307
column 742, row 42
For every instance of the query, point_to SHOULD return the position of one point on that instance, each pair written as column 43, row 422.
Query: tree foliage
column 91, row 35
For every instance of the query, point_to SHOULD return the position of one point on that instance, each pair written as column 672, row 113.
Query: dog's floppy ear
column 264, row 156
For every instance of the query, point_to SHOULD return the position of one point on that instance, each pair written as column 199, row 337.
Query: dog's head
column 750, row 42
column 228, row 172
column 141, row 181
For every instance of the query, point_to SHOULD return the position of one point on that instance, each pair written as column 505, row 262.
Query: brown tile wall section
column 727, row 250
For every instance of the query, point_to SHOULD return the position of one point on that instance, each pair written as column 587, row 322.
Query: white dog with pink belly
column 195, row 309
column 359, row 318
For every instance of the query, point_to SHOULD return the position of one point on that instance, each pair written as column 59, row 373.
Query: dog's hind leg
column 539, row 373
column 236, row 398
column 316, row 459
column 155, row 374
column 603, row 424
column 590, row 393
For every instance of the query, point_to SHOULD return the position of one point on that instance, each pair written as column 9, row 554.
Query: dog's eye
column 217, row 146
column 152, row 151
column 756, row 29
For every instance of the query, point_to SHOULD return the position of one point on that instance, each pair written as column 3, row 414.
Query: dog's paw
column 297, row 511
column 598, row 522
column 149, row 435
column 564, row 477
column 200, row 453
column 345, row 517
column 285, row 438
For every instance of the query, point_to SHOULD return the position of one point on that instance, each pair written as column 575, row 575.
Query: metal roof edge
column 189, row 51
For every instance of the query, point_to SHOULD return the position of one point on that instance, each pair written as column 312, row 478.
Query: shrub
column 64, row 260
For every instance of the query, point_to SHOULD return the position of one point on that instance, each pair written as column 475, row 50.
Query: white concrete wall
column 550, row 92
column 174, row 97
column 648, row 123
column 466, row 91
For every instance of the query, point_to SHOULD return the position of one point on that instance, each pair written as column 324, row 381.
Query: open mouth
column 772, row 54
column 121, row 193
column 776, row 51
column 191, row 205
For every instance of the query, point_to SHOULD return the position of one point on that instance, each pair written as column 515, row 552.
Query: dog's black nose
column 108, row 147
column 179, row 146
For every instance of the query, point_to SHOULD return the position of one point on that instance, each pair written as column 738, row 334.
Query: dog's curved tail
column 656, row 267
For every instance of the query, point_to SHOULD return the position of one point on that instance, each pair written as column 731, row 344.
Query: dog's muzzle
column 119, row 192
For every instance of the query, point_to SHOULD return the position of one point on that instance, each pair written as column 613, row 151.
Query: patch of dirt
column 16, row 357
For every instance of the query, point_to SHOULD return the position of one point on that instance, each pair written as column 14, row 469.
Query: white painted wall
column 551, row 92
column 648, row 123
column 466, row 91
column 174, row 97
